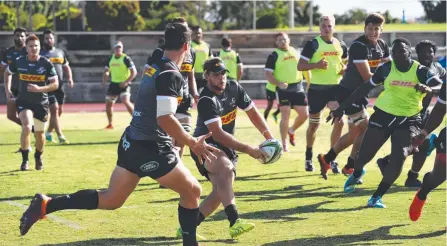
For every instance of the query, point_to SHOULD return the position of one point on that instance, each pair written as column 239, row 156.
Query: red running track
column 119, row 107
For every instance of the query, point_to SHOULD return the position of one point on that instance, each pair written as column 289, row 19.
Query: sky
column 413, row 8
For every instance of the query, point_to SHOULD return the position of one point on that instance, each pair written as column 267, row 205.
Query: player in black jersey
column 365, row 55
column 217, row 111
column 11, row 54
column 37, row 76
column 426, row 51
column 146, row 148
column 438, row 175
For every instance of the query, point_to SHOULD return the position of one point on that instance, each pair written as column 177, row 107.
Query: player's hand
column 70, row 83
column 422, row 88
column 282, row 85
column 322, row 64
column 335, row 116
column 418, row 140
column 33, row 88
column 9, row 95
column 103, row 84
column 256, row 153
column 203, row 150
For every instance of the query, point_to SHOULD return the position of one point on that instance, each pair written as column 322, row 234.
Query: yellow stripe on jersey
column 57, row 60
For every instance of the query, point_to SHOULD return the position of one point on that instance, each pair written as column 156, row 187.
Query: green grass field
column 387, row 27
column 288, row 205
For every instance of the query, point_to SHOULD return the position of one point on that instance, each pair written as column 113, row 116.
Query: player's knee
column 195, row 190
column 27, row 129
column 314, row 123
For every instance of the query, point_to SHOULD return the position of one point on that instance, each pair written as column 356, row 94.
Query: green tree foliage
column 8, row 18
column 352, row 16
column 302, row 10
column 232, row 14
column 435, row 11
column 272, row 14
column 114, row 16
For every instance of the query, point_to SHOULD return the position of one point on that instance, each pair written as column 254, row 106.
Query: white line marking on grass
column 49, row 216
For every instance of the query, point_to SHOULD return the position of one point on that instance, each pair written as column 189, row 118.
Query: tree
column 352, row 16
column 435, row 11
column 231, row 14
column 8, row 18
column 114, row 16
column 276, row 12
column 302, row 10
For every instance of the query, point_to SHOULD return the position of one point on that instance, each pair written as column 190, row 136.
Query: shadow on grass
column 136, row 241
column 382, row 233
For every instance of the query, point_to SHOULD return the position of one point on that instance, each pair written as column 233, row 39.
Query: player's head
column 177, row 37
column 282, row 40
column 215, row 74
column 327, row 25
column 32, row 45
column 180, row 20
column 197, row 34
column 426, row 51
column 226, row 43
column 48, row 38
column 19, row 37
column 401, row 50
column 373, row 26
column 118, row 48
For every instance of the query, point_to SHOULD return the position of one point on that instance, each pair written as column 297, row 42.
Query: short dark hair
column 211, row 63
column 31, row 37
column 195, row 28
column 426, row 42
column 47, row 31
column 176, row 35
column 179, row 20
column 19, row 29
column 375, row 19
column 402, row 40
column 226, row 42
column 281, row 34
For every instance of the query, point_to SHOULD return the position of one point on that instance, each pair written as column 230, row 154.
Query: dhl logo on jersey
column 330, row 53
column 228, row 118
column 374, row 63
column 402, row 83
column 32, row 77
column 186, row 68
column 150, row 71
column 289, row 57
column 57, row 60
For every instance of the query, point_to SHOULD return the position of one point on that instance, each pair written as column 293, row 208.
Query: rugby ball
column 272, row 148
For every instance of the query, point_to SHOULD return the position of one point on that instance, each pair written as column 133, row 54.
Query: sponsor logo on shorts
column 150, row 71
column 228, row 118
column 32, row 77
column 57, row 60
column 149, row 166
column 126, row 144
column 186, row 67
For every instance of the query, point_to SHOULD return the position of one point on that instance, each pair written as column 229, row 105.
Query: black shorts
column 287, row 98
column 318, row 99
column 57, row 96
column 15, row 92
column 231, row 154
column 271, row 96
column 184, row 106
column 200, row 81
column 440, row 142
column 356, row 107
column 115, row 89
column 424, row 115
column 388, row 122
column 40, row 111
column 146, row 158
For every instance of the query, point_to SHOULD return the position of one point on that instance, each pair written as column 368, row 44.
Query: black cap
column 216, row 68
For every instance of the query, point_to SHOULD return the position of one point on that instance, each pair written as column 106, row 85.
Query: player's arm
column 133, row 71
column 3, row 65
column 192, row 79
column 344, row 58
column 270, row 68
column 7, row 78
column 428, row 81
column 105, row 75
column 306, row 55
column 53, row 81
column 359, row 55
column 68, row 72
column 386, row 57
column 240, row 67
column 307, row 76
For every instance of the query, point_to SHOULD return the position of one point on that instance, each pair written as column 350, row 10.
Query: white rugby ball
column 272, row 149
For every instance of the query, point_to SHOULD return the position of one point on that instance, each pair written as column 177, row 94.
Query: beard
column 47, row 46
column 18, row 43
